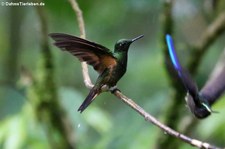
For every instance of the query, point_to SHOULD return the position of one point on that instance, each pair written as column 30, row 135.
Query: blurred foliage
column 107, row 123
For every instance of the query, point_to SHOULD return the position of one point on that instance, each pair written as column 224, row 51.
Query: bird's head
column 201, row 109
column 123, row 44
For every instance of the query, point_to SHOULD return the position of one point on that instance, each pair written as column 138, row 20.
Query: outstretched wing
column 188, row 83
column 94, row 54
column 215, row 86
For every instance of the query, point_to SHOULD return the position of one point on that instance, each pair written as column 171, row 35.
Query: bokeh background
column 107, row 122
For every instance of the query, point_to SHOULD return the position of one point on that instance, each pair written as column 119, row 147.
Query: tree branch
column 214, row 30
column 163, row 127
column 130, row 102
column 45, row 99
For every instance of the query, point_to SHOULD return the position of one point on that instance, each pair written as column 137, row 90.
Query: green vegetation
column 42, row 87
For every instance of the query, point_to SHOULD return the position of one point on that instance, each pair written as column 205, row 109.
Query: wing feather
column 84, row 50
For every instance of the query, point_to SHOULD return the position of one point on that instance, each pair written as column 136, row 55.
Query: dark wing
column 215, row 86
column 187, row 81
column 94, row 54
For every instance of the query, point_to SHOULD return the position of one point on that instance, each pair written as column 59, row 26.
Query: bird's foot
column 114, row 89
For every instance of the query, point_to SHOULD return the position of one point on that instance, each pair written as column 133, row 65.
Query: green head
column 123, row 44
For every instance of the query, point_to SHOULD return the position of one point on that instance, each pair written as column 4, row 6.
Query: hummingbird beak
column 136, row 38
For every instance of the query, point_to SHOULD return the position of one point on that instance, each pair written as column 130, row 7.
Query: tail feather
column 91, row 96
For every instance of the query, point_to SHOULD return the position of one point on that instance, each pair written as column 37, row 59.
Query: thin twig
column 131, row 103
column 80, row 20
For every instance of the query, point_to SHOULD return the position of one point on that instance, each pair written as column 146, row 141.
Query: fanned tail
column 91, row 96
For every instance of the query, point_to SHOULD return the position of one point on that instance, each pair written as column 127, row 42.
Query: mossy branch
column 44, row 96
column 171, row 117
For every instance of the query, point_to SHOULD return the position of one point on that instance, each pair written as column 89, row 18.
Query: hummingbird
column 198, row 102
column 111, row 66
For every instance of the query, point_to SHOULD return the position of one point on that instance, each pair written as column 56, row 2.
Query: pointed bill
column 136, row 38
